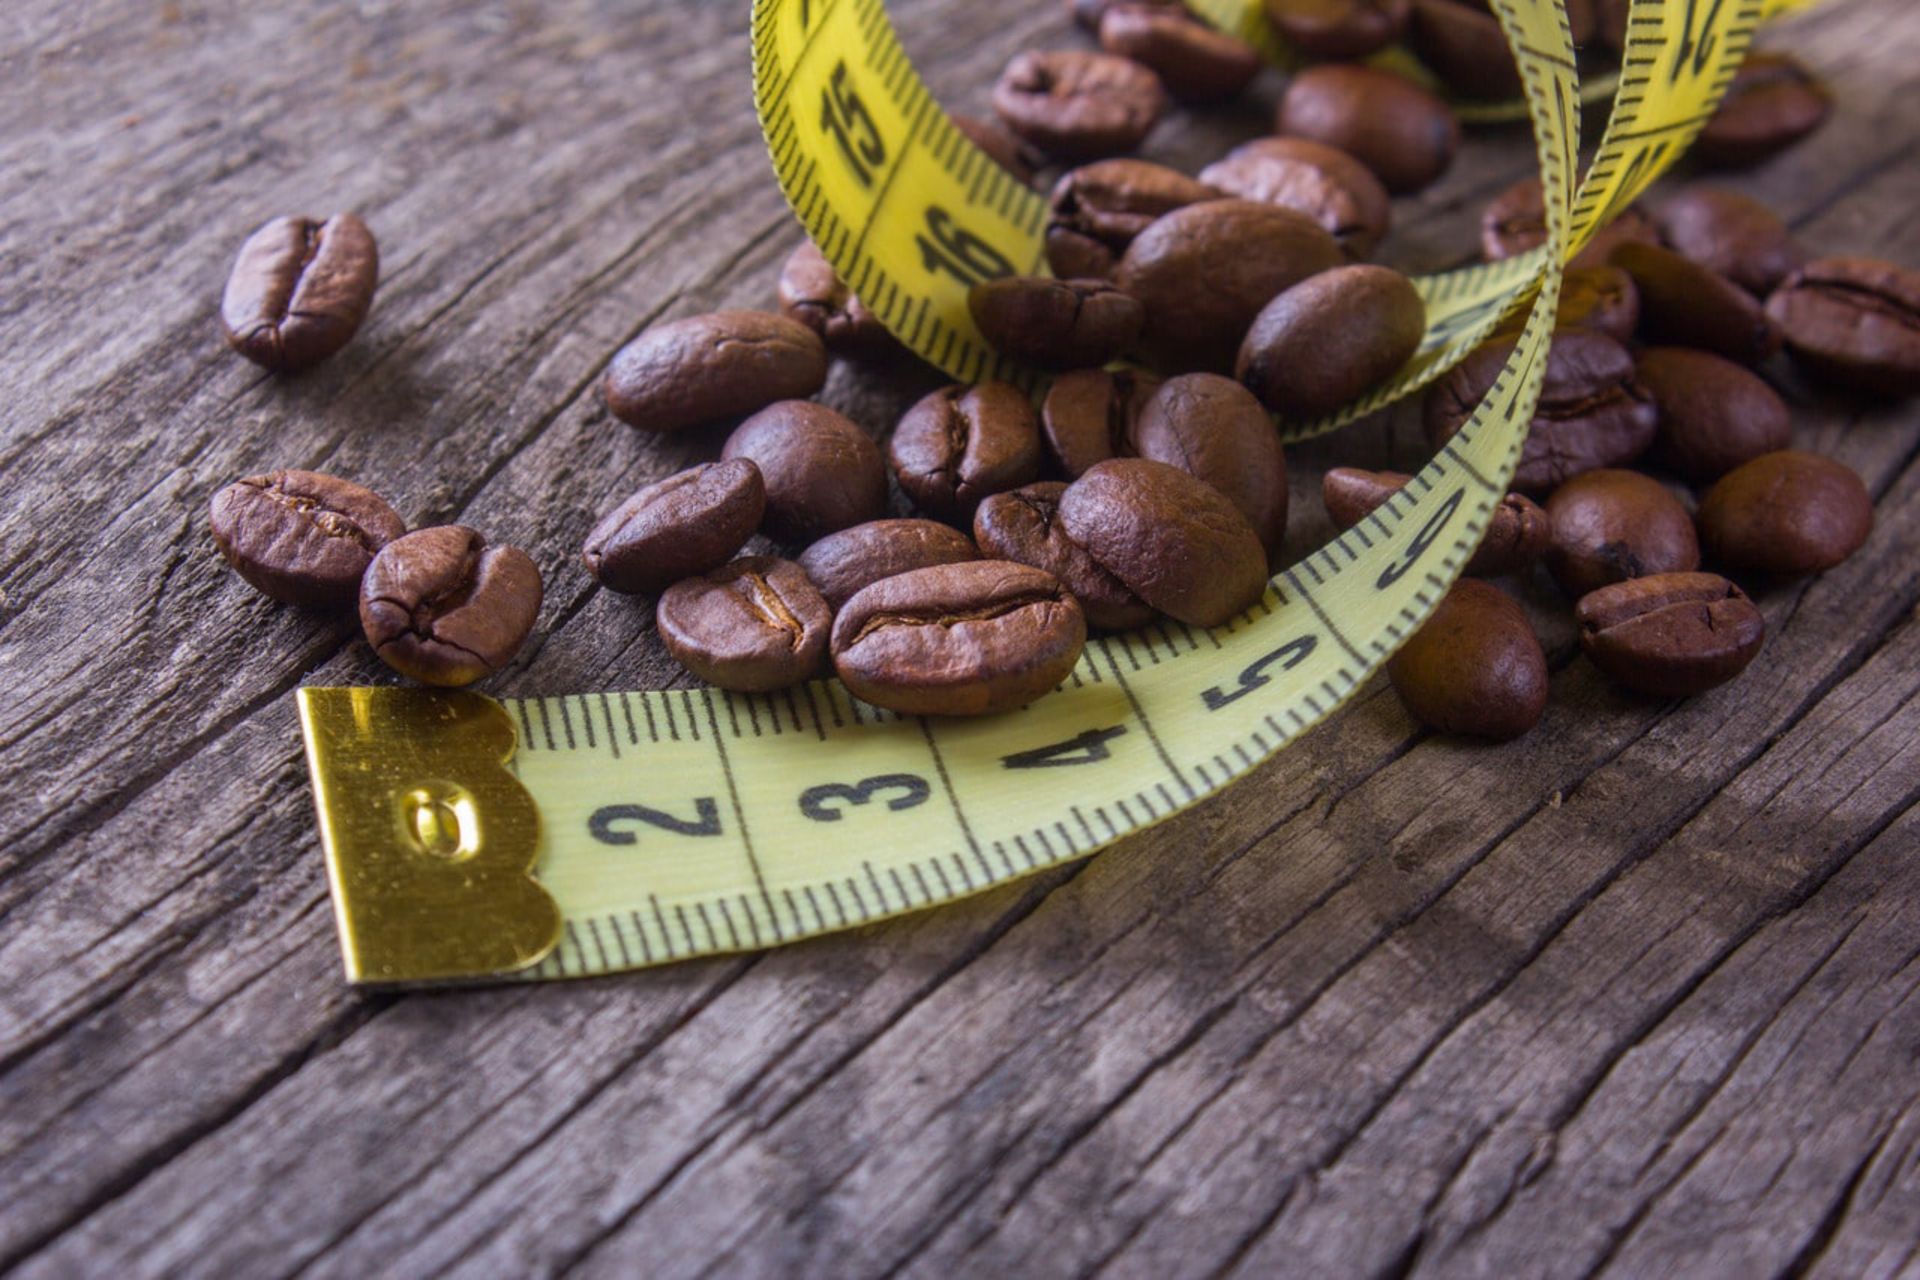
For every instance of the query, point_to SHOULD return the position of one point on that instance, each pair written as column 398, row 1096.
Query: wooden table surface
column 1635, row 995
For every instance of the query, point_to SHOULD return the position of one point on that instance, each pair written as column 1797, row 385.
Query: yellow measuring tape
column 555, row 837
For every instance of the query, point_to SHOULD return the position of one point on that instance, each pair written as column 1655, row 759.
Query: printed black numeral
column 1697, row 43
column 846, row 117
column 1089, row 747
column 1428, row 535
column 1254, row 676
column 816, row 802
column 602, row 825
column 950, row 248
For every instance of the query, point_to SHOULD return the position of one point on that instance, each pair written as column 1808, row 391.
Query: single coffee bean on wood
column 676, row 528
column 1611, row 525
column 1002, row 146
column 959, row 639
column 1339, row 30
column 1088, row 416
column 299, row 290
column 813, row 293
column 302, row 537
column 1515, row 222
column 1672, row 635
column 843, row 563
column 1330, row 338
column 1517, row 533
column 1023, row 525
column 1854, row 322
column 710, row 367
column 961, row 443
column 1055, row 324
column 1194, row 62
column 1732, row 234
column 1786, row 513
column 821, row 471
column 1461, row 43
column 1213, row 429
column 1327, row 185
column 1404, row 134
column 753, row 625
column 1176, row 542
column 1079, row 106
column 1683, row 304
column 1772, row 103
column 1714, row 414
column 1095, row 211
column 1475, row 667
column 445, row 607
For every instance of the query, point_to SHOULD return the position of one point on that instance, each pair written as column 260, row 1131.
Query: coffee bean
column 1329, row 186
column 1176, row 542
column 1023, row 525
column 1475, row 668
column 1683, row 304
column 1517, row 533
column 1095, row 211
column 962, row 443
column 1204, row 272
column 1515, row 222
column 1213, row 429
column 1339, row 30
column 1672, row 635
column 959, row 639
column 1714, row 414
column 1610, row 525
column 1772, row 103
column 1330, row 338
column 1055, row 324
column 1002, row 146
column 444, row 607
column 302, row 537
column 1732, row 234
column 1592, row 413
column 1786, row 513
column 299, row 290
column 1195, row 62
column 1078, row 106
column 753, row 625
column 1088, row 416
column 675, row 528
column 1854, row 322
column 813, row 293
column 706, row 368
column 822, row 473
column 1390, row 124
column 843, row 563
column 1461, row 42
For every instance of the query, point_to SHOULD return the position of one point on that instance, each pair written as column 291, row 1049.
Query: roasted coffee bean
column 1515, row 222
column 1772, row 103
column 1095, row 211
column 753, row 625
column 1786, row 513
column 1055, row 324
column 1732, row 234
column 1176, row 542
column 1475, row 668
column 813, row 293
column 675, row 528
column 1339, row 30
column 1714, row 414
column 1204, row 272
column 1329, row 186
column 1672, row 635
column 1331, row 338
column 1855, row 322
column 822, row 473
column 442, row 606
column 1088, row 416
column 843, row 563
column 959, row 639
column 706, row 368
column 1023, row 525
column 1390, row 124
column 1592, row 413
column 1610, row 525
column 1195, row 62
column 1461, row 42
column 1683, row 304
column 1078, row 106
column 302, row 537
column 1002, row 146
column 962, row 443
column 299, row 290
column 1517, row 533
column 1213, row 429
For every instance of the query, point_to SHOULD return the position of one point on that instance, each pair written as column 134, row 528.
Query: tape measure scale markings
column 663, row 825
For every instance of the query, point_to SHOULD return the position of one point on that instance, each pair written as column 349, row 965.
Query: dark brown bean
column 1195, row 62
column 1611, row 525
column 1517, row 533
column 961, row 443
column 1772, row 103
column 1786, row 513
column 1055, row 324
column 752, row 625
column 1088, row 416
column 302, row 537
column 1515, row 222
column 813, row 293
column 1854, row 322
column 1176, row 542
column 1204, row 272
column 1214, row 430
column 1683, row 304
column 959, row 639
column 843, row 563
column 442, row 606
column 706, row 368
column 1714, row 414
column 1095, row 211
column 1329, row 339
column 1323, row 182
column 1672, row 635
column 1079, row 106
column 1732, row 234
column 1461, row 42
column 675, row 528
column 300, row 290
column 1023, row 525
column 1475, row 668
column 1002, row 146
column 1390, row 124
column 822, row 472
column 1339, row 30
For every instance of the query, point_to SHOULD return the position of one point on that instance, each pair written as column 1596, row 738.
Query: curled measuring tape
column 554, row 837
